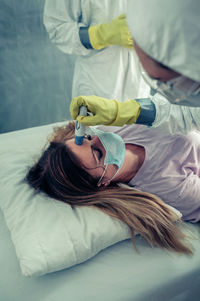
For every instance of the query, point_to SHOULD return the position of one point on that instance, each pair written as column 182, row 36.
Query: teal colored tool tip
column 79, row 140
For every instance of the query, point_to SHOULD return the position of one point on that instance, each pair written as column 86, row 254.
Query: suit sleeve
column 62, row 20
column 174, row 118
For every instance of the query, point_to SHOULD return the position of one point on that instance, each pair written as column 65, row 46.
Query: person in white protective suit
column 97, row 33
column 167, row 41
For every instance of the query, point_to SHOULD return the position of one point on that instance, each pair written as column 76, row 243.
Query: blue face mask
column 114, row 147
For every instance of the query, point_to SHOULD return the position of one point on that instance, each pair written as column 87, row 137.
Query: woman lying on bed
column 162, row 168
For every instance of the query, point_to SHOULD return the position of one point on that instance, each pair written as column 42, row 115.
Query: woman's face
column 91, row 155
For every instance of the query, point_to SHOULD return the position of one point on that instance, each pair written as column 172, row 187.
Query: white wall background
column 35, row 77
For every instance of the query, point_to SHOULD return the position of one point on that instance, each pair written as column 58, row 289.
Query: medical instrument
column 80, row 128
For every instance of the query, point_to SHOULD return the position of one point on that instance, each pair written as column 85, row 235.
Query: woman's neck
column 134, row 158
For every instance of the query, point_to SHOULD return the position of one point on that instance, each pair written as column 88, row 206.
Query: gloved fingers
column 130, row 42
column 75, row 105
column 103, row 110
column 126, row 38
column 121, row 17
column 88, row 120
column 120, row 32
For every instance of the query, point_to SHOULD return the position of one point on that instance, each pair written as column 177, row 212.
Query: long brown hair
column 59, row 175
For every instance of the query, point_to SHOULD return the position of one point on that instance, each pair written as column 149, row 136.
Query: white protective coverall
column 112, row 72
column 169, row 32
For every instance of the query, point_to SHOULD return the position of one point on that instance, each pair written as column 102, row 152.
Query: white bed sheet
column 117, row 273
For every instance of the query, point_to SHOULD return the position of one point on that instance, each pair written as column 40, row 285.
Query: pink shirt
column 171, row 168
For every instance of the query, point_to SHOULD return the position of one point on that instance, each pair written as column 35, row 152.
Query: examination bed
column 114, row 272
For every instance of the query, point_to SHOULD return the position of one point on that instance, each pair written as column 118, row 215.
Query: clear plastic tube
column 80, row 128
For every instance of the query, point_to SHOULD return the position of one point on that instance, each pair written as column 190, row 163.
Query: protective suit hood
column 169, row 32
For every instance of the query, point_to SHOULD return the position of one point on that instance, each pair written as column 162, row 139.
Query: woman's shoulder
column 147, row 134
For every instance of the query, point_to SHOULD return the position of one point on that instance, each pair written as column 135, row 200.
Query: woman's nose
column 94, row 139
column 88, row 137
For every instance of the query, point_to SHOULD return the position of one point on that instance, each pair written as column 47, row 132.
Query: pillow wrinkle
column 54, row 202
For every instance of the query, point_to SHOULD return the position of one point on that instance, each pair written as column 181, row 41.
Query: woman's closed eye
column 98, row 153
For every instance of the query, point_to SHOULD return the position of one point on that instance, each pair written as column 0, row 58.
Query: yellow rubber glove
column 105, row 111
column 114, row 33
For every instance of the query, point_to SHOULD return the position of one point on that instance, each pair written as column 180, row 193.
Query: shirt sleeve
column 174, row 118
column 62, row 20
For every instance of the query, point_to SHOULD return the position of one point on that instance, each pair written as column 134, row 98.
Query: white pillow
column 48, row 235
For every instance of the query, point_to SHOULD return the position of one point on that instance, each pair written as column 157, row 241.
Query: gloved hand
column 114, row 33
column 105, row 111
